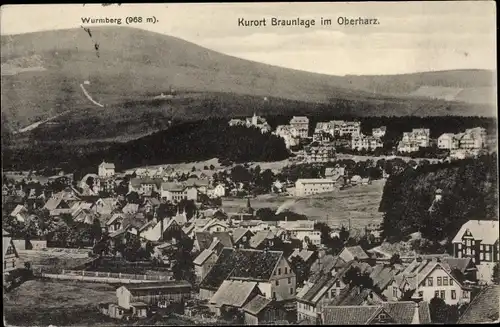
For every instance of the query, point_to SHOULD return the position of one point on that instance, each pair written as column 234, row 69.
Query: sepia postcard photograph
column 183, row 164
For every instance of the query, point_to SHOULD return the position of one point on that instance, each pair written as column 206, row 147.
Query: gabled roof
column 158, row 288
column 6, row 242
column 256, row 305
column 204, row 240
column 326, row 263
column 224, row 238
column 484, row 308
column 355, row 296
column 450, row 263
column 18, row 209
column 324, row 281
column 233, row 293
column 357, row 252
column 382, row 275
column 350, row 315
column 172, row 187
column 303, row 254
column 114, row 217
column 260, row 237
column 137, row 182
column 130, row 208
column 195, row 182
column 246, row 264
column 202, row 257
column 420, row 270
column 484, row 230
column 239, row 232
column 402, row 312
column 107, row 165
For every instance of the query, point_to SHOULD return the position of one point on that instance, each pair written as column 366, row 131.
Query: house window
column 337, row 283
column 289, row 280
column 333, row 293
column 394, row 291
column 436, row 293
column 286, row 270
column 451, row 281
column 445, row 281
column 443, row 295
column 487, row 256
column 274, row 294
column 481, row 256
column 465, row 294
column 291, row 290
column 430, row 281
column 453, row 295
column 277, row 282
column 439, row 282
column 279, row 271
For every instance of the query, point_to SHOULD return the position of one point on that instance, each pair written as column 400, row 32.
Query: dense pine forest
column 469, row 191
column 210, row 138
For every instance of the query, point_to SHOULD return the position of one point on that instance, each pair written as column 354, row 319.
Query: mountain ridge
column 129, row 63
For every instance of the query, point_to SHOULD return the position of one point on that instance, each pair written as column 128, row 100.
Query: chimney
column 161, row 229
column 416, row 318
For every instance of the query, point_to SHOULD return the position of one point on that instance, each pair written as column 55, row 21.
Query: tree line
column 469, row 191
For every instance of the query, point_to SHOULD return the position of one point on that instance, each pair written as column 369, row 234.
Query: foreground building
column 427, row 279
column 269, row 269
column 394, row 313
column 478, row 240
column 484, row 308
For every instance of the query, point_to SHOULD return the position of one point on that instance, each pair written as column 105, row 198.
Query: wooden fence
column 103, row 274
column 101, row 279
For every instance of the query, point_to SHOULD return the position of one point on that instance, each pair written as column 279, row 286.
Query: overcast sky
column 411, row 36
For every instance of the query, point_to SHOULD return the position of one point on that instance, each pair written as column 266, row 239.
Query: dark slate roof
column 259, row 238
column 224, row 238
column 325, row 279
column 484, row 308
column 349, row 315
column 449, row 263
column 202, row 257
column 204, row 240
column 256, row 305
column 327, row 263
column 171, row 286
column 382, row 275
column 357, row 251
column 233, row 293
column 238, row 233
column 352, row 296
column 244, row 264
column 402, row 312
column 220, row 271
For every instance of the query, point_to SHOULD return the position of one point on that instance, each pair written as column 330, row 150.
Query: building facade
column 478, row 240
column 305, row 187
column 301, row 124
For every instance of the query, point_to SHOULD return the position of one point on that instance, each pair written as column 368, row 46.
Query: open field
column 358, row 203
column 52, row 261
column 39, row 302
